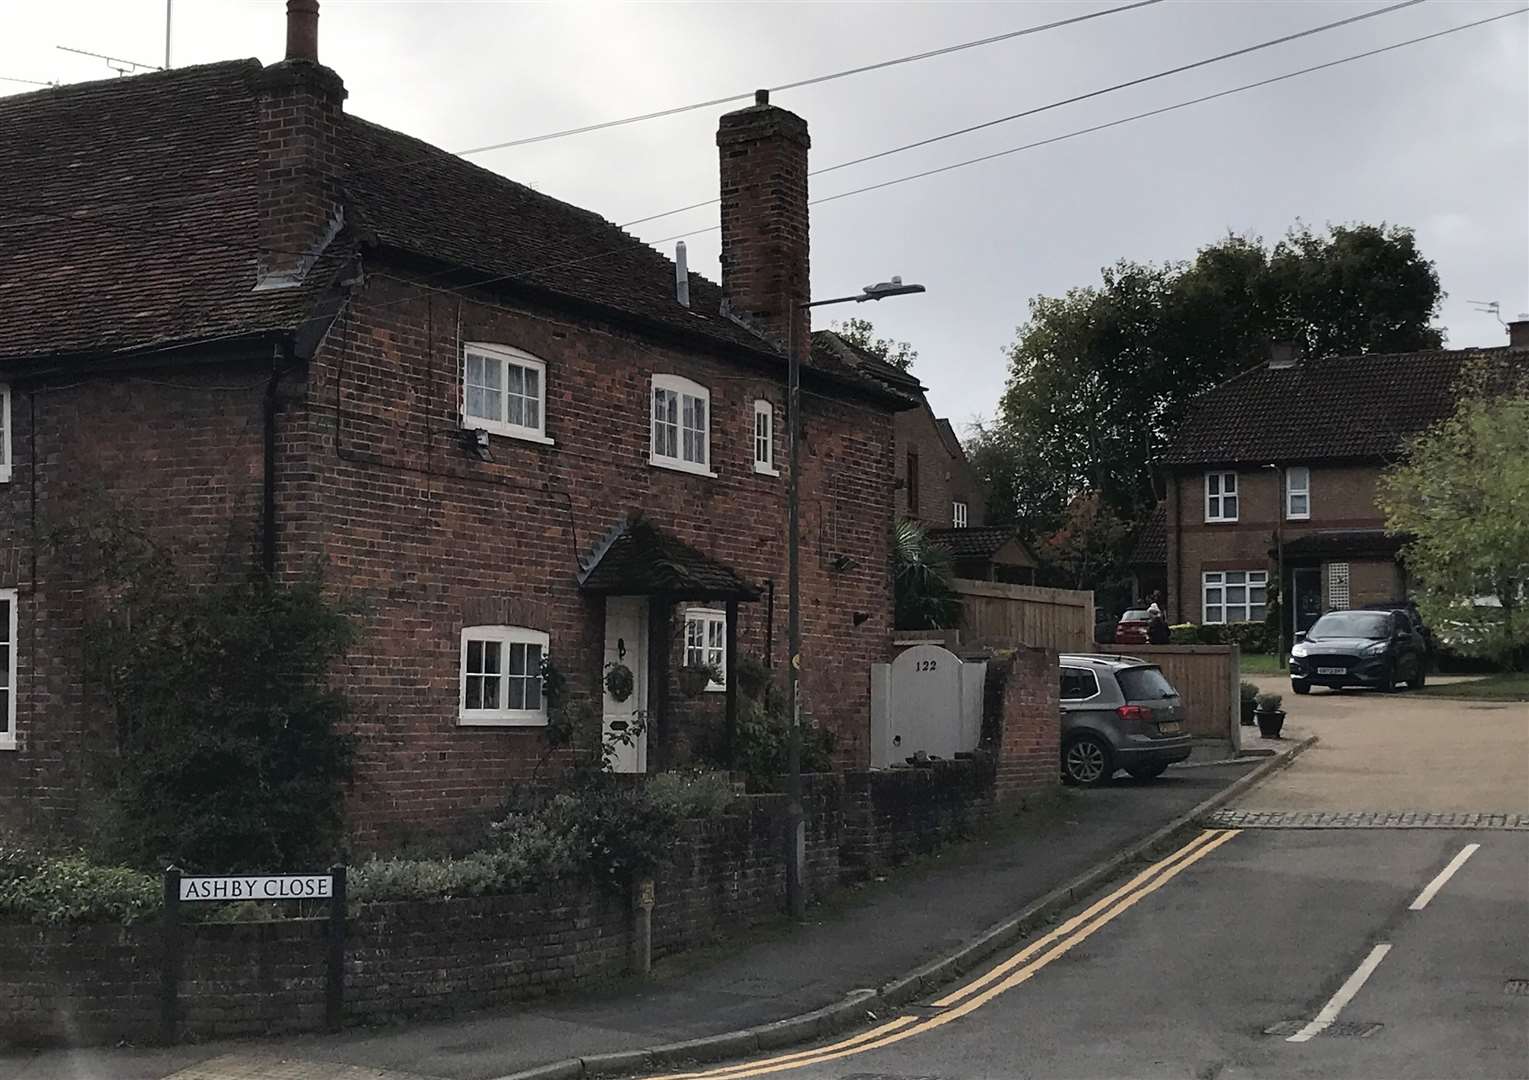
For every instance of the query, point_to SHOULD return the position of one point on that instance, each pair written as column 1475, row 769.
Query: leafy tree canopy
column 1101, row 378
column 1462, row 494
column 860, row 332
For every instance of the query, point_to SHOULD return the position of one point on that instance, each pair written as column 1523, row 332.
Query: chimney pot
column 1283, row 354
column 1518, row 333
column 761, row 97
column 303, row 30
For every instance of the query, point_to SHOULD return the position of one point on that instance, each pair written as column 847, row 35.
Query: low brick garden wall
column 428, row 959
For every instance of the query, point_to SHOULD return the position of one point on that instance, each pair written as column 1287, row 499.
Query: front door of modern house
column 1306, row 595
column 626, row 644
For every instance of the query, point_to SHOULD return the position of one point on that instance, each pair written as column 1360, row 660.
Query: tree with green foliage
column 860, row 333
column 921, row 576
column 1462, row 497
column 1088, row 549
column 1101, row 378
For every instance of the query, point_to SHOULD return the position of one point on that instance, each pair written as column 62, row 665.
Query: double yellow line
column 1006, row 975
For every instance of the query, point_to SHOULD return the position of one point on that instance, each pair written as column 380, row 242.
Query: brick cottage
column 282, row 336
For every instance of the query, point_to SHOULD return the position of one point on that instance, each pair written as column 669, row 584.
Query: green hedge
column 67, row 889
column 1250, row 637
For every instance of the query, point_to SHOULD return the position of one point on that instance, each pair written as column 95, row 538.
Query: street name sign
column 271, row 887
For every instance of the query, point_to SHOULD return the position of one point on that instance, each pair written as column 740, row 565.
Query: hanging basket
column 695, row 680
column 619, row 683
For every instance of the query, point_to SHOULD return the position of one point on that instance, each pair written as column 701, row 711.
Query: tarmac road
column 1186, row 971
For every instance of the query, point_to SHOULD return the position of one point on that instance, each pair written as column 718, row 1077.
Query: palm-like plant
column 921, row 574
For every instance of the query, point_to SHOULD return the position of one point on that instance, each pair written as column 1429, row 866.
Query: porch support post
column 730, row 732
column 660, row 613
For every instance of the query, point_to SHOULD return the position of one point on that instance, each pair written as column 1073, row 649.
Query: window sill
column 680, row 466
column 1297, row 517
column 522, row 720
column 506, row 431
column 716, row 688
column 7, row 742
column 766, row 470
column 5, row 474
column 1221, row 521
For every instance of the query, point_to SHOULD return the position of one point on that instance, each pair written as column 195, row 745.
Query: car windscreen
column 1135, row 615
column 1351, row 624
column 1144, row 684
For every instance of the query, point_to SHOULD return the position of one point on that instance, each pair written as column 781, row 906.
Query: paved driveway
column 1401, row 752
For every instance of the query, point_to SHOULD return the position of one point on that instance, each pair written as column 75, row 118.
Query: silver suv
column 1118, row 712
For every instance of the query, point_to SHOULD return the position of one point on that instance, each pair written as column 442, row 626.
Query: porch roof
column 637, row 558
column 1333, row 543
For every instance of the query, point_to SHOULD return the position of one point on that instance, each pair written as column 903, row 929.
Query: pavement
column 864, row 937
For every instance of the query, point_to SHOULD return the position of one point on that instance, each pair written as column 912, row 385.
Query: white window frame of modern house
column 682, row 388
column 8, row 733
column 1250, row 579
column 505, row 637
column 1291, row 492
column 5, row 433
column 958, row 515
column 706, row 621
column 505, row 357
column 764, row 438
column 1221, row 496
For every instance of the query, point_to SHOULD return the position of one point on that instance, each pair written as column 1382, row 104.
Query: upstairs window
column 504, row 391
column 958, row 515
column 681, row 425
column 502, row 677
column 1221, row 496
column 1298, row 493
column 764, row 438
column 706, row 642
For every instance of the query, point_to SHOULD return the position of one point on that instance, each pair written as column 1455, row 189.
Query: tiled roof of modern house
column 976, row 542
column 130, row 220
column 1333, row 407
column 1151, row 547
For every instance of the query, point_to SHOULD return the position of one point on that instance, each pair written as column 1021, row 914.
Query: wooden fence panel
column 1008, row 616
column 1206, row 679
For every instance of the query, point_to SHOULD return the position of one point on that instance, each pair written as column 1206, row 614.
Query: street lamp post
column 796, row 825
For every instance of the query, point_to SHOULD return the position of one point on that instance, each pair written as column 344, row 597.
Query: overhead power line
column 1207, row 61
column 29, row 82
column 712, row 103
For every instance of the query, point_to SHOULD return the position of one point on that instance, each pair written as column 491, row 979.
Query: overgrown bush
column 692, row 794
column 921, row 577
column 70, row 889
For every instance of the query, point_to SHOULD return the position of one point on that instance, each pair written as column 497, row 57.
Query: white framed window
column 1220, row 496
column 504, row 391
column 706, row 642
column 958, row 515
column 8, row 668
column 1298, row 492
column 764, row 438
column 502, row 677
column 1229, row 596
column 5, row 433
column 681, row 425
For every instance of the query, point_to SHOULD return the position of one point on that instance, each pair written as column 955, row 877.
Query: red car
column 1132, row 628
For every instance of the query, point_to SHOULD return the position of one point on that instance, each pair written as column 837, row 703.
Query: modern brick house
column 280, row 335
column 937, row 485
column 1280, row 465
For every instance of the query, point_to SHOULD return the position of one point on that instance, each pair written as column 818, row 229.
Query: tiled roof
column 128, row 215
column 977, row 542
column 641, row 559
column 1151, row 547
column 1334, row 407
column 129, row 219
column 830, row 350
column 1333, row 543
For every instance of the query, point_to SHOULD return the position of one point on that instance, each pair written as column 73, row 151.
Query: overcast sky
column 1435, row 136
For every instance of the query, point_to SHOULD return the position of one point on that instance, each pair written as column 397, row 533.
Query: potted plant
column 753, row 676
column 1249, row 696
column 619, row 682
column 695, row 678
column 1271, row 718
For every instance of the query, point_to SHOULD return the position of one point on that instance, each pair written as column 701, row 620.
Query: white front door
column 626, row 642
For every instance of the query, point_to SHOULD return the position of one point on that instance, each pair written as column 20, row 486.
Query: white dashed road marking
column 1444, row 875
column 1344, row 995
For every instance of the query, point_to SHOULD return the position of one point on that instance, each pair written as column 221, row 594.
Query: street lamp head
column 883, row 289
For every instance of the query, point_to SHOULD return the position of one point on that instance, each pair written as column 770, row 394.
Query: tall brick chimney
column 1518, row 333
column 763, row 152
column 298, row 157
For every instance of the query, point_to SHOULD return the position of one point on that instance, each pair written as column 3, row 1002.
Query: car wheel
column 1388, row 684
column 1418, row 680
column 1300, row 687
column 1147, row 772
column 1087, row 761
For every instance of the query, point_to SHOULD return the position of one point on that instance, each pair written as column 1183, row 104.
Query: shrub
column 482, row 873
column 1269, row 702
column 762, row 748
column 694, row 794
column 71, row 889
column 922, row 573
column 1247, row 691
column 1183, row 634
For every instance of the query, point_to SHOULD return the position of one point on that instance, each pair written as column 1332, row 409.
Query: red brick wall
column 181, row 451
column 943, row 478
column 428, row 536
column 297, row 146
column 1029, row 725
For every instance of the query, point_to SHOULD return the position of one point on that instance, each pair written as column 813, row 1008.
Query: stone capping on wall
column 427, row 959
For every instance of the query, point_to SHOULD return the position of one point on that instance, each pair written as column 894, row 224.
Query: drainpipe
column 279, row 362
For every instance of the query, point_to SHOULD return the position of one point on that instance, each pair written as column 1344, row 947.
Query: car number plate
column 1332, row 671
column 1172, row 727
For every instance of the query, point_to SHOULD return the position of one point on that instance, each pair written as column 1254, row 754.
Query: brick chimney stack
column 1518, row 333
column 763, row 151
column 298, row 158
